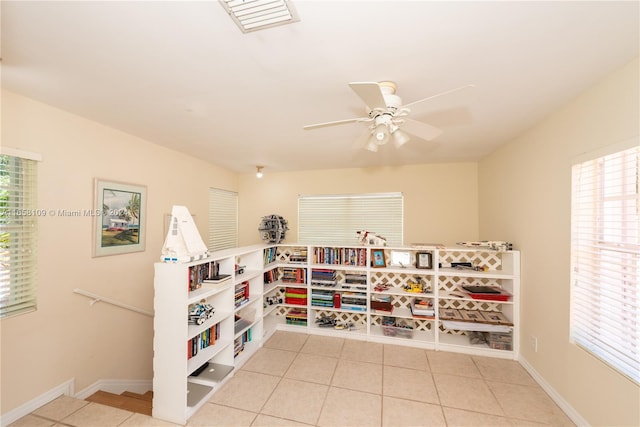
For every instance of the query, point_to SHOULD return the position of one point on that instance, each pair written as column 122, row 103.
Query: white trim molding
column 65, row 388
column 555, row 396
column 8, row 151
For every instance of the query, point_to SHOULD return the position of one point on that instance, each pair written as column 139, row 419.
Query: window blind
column 18, row 235
column 223, row 219
column 605, row 257
column 335, row 219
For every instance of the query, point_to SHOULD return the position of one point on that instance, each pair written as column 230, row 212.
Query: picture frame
column 378, row 259
column 401, row 259
column 424, row 260
column 120, row 214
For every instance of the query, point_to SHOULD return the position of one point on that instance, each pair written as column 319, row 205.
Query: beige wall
column 440, row 200
column 66, row 338
column 525, row 196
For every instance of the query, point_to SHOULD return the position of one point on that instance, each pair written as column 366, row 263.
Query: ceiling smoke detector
column 253, row 15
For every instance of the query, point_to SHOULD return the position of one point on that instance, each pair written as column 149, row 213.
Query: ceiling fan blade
column 442, row 101
column 420, row 129
column 370, row 93
column 337, row 122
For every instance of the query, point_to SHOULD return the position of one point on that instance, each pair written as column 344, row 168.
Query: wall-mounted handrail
column 99, row 298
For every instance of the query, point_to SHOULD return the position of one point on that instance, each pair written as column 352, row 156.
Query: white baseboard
column 67, row 388
column 555, row 396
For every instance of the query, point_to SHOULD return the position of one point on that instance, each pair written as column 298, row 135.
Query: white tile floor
column 299, row 380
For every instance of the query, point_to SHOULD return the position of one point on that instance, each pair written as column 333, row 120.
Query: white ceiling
column 181, row 74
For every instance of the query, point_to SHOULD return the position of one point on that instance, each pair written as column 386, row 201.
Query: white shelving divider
column 441, row 281
column 178, row 394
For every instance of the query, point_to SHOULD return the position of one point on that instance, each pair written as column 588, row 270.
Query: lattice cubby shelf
column 453, row 283
column 281, row 311
column 292, row 255
column 401, row 301
column 465, row 304
column 451, row 331
column 419, row 324
column 443, row 283
column 397, row 279
column 490, row 260
column 358, row 319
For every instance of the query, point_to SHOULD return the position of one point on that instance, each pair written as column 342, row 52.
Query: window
column 335, row 219
column 223, row 219
column 18, row 232
column 605, row 260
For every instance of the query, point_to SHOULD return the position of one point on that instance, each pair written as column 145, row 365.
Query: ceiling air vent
column 252, row 15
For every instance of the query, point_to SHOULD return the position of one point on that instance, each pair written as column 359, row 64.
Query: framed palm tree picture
column 119, row 212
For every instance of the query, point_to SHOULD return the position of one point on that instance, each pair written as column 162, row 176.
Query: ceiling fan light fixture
column 400, row 138
column 372, row 144
column 381, row 134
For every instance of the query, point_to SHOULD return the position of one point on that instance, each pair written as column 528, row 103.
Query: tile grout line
column 435, row 387
column 326, row 394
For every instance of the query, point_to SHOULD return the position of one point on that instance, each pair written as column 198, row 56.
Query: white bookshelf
column 178, row 394
column 441, row 283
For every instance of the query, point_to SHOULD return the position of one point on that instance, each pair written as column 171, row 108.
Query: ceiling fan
column 386, row 115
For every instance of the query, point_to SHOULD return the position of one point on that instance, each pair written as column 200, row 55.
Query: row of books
column 340, row 256
column 241, row 295
column 355, row 301
column 271, row 276
column 239, row 343
column 322, row 298
column 297, row 316
column 270, row 255
column 356, row 279
column 199, row 273
column 323, row 277
column 423, row 307
column 205, row 339
column 295, row 296
column 299, row 255
column 294, row 275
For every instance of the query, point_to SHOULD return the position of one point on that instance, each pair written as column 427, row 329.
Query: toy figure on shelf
column 416, row 286
column 200, row 312
column 370, row 238
column 273, row 228
column 495, row 245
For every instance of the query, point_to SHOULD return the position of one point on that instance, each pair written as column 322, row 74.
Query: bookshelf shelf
column 182, row 348
column 298, row 287
column 438, row 282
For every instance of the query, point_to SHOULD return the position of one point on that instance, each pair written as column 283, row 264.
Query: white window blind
column 18, row 235
column 223, row 219
column 605, row 258
column 335, row 219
